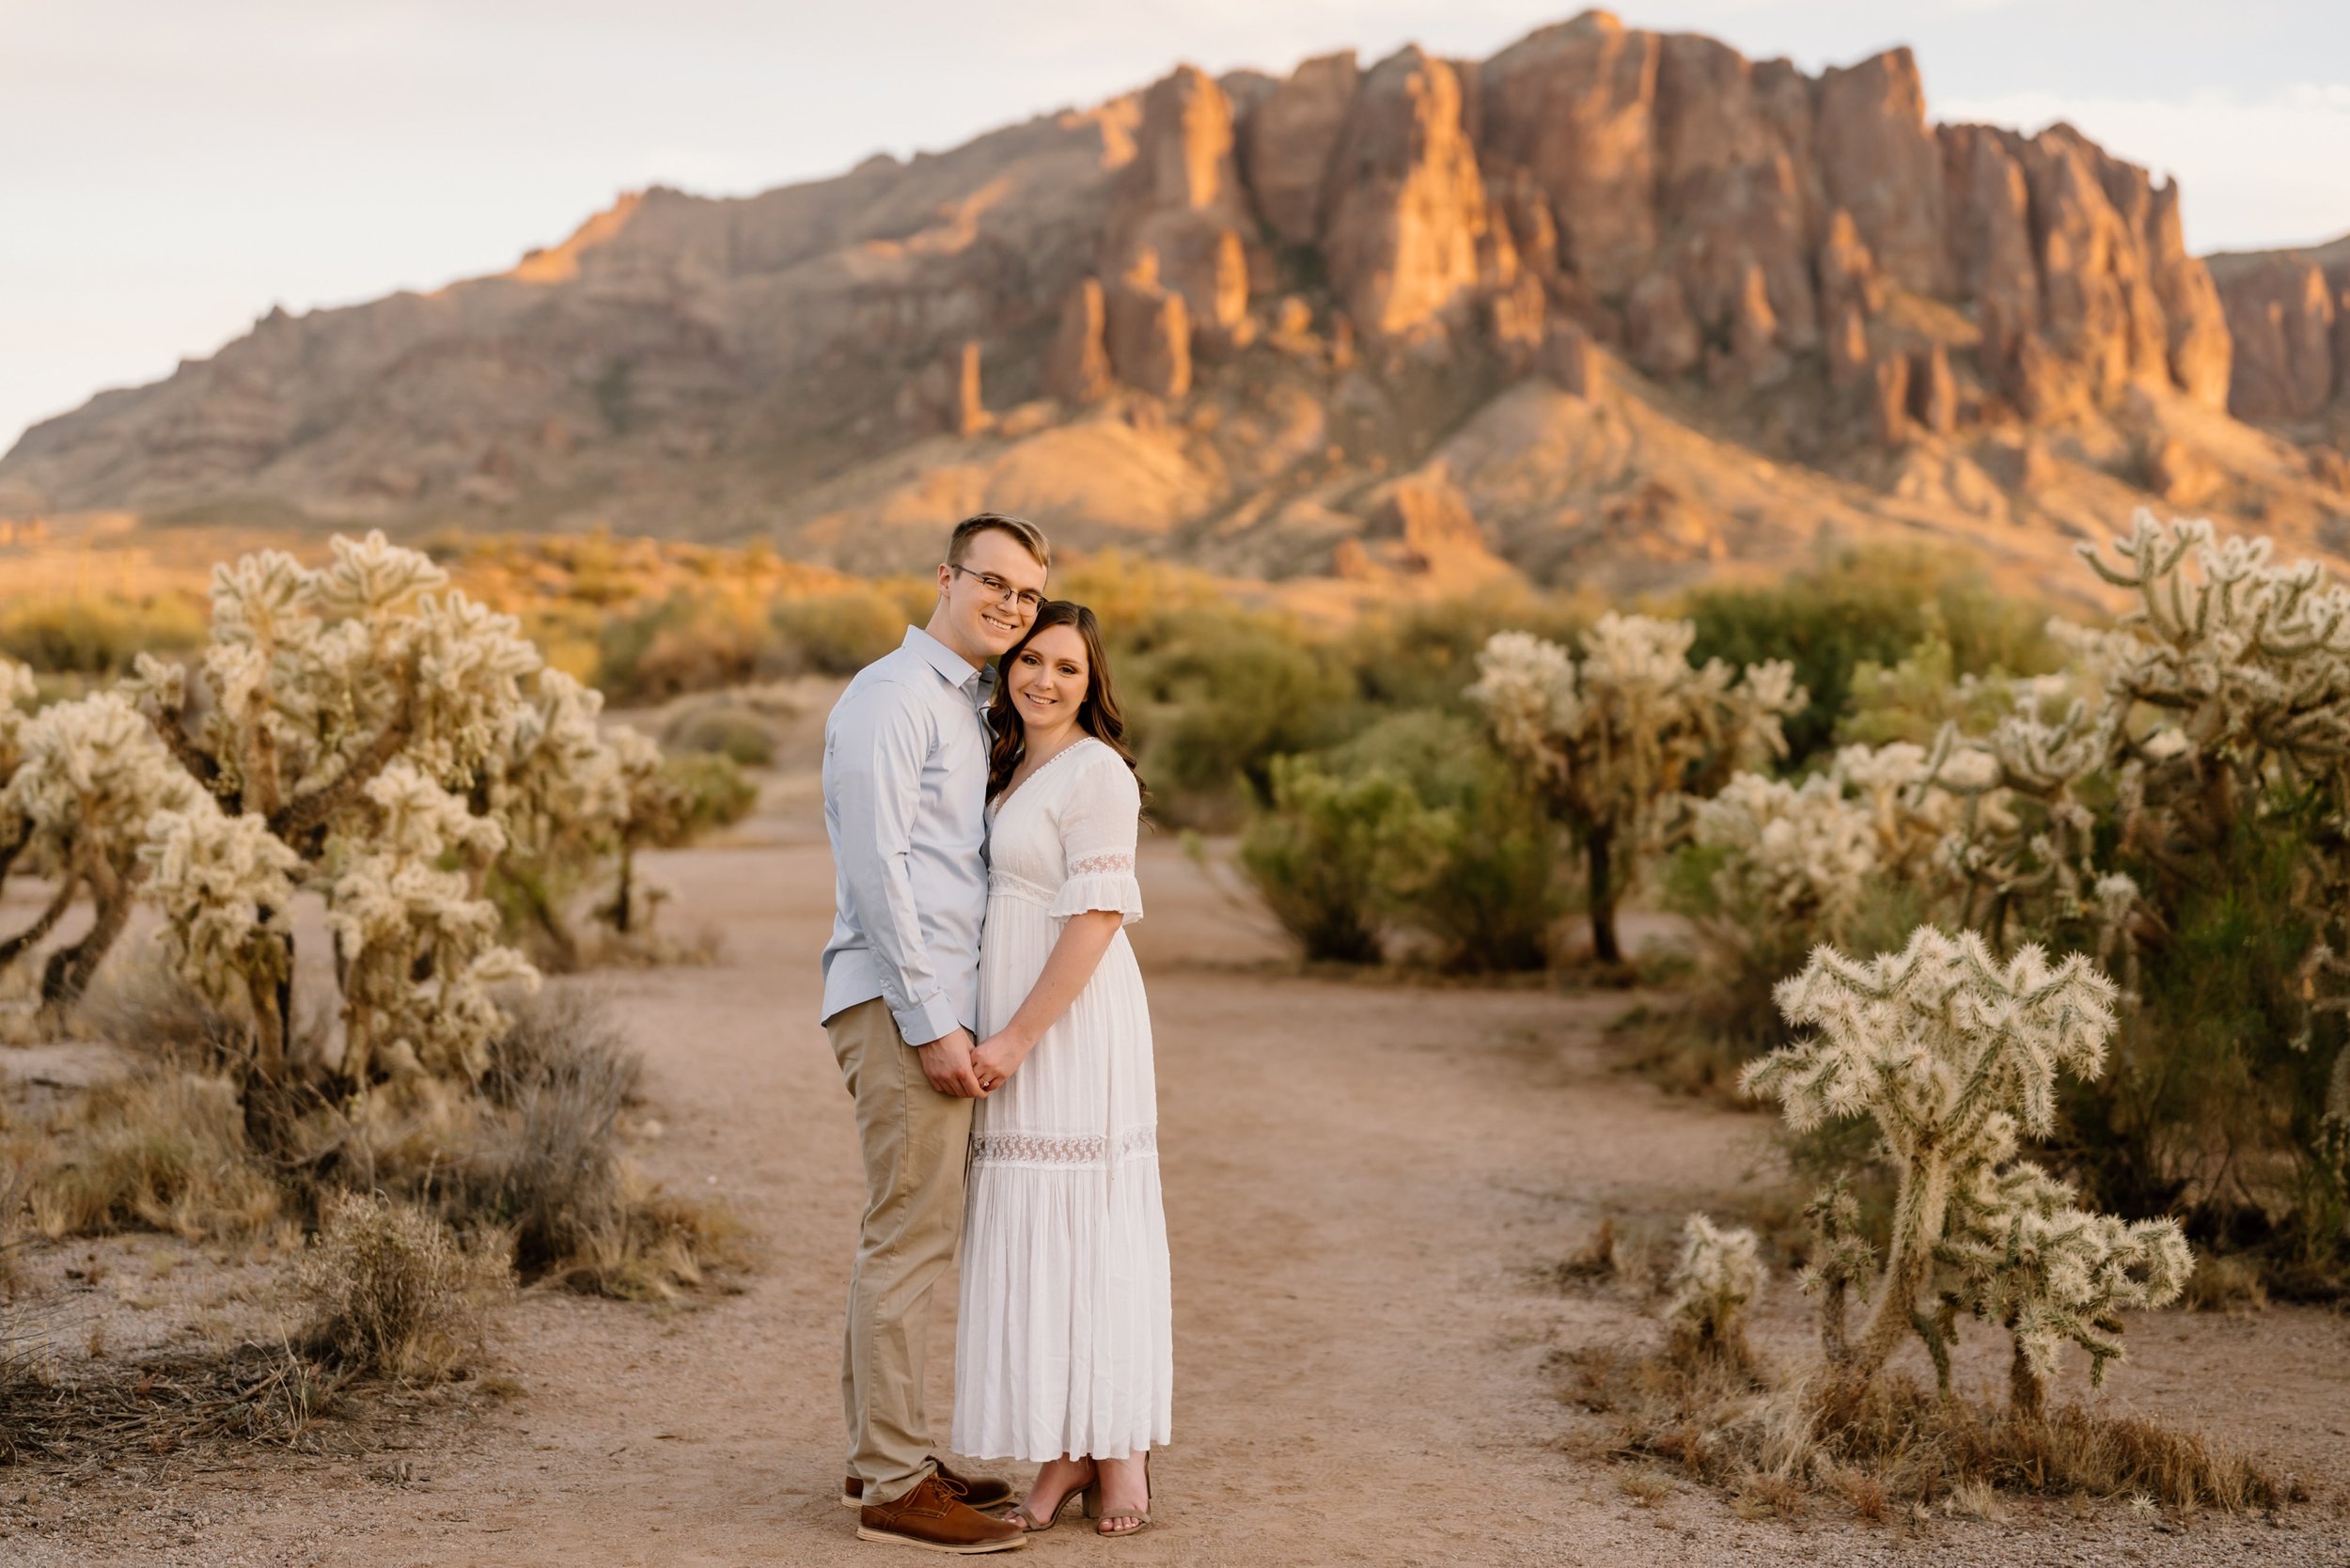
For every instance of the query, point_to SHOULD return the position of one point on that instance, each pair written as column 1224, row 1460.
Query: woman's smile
column 1049, row 677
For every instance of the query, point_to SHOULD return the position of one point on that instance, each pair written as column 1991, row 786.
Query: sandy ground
column 1367, row 1184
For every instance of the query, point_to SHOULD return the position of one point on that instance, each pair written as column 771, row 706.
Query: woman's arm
column 1083, row 941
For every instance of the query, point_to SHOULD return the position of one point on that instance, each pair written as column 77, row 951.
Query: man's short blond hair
column 1025, row 533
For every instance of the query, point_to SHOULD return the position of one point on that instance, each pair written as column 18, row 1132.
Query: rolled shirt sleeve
column 878, row 753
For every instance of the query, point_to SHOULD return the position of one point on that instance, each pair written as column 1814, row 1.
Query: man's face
column 987, row 621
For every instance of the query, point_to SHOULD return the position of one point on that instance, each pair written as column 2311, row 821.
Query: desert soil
column 1367, row 1187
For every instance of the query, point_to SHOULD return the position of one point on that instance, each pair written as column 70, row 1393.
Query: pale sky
column 170, row 170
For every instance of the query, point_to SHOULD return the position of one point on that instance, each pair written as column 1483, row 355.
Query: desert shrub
column 158, row 1151
column 1420, row 655
column 1486, row 893
column 840, row 633
column 1610, row 739
column 1868, row 1446
column 1866, row 606
column 1332, row 856
column 1219, row 694
column 391, row 1289
column 694, row 640
column 550, row 1167
column 1133, row 595
column 712, row 793
column 723, row 730
column 96, row 635
column 152, row 1011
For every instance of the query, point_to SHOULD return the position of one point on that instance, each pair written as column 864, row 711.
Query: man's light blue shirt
column 906, row 803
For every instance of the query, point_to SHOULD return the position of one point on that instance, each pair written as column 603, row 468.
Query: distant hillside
column 1611, row 306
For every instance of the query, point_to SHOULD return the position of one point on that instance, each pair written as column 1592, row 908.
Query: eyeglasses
column 1028, row 600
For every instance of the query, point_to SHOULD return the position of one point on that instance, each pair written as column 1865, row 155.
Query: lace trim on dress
column 1044, row 1149
column 1098, row 865
column 1046, row 766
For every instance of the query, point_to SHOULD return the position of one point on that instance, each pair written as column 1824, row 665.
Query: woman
column 1064, row 1350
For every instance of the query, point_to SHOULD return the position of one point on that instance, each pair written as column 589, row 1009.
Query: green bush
column 715, row 793
column 1216, row 695
column 688, row 642
column 1424, row 654
column 840, row 633
column 1487, row 892
column 1871, row 607
column 1330, row 855
column 724, row 729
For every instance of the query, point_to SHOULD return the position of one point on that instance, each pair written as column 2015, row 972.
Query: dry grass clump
column 392, row 1291
column 552, row 1168
column 2226, row 1282
column 1779, row 1448
column 148, row 1010
column 162, row 1150
column 159, row 1405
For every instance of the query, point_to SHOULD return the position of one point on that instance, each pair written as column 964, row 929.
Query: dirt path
column 1363, row 1182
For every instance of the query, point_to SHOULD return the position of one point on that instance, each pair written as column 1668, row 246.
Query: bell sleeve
column 1098, row 827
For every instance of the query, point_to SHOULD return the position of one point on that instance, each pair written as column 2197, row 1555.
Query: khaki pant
column 914, row 1140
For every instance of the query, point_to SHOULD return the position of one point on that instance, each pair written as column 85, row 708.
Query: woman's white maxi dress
column 1065, row 1338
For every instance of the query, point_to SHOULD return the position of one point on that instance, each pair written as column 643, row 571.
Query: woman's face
column 1048, row 679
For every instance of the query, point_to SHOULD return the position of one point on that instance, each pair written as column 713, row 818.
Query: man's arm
column 879, row 748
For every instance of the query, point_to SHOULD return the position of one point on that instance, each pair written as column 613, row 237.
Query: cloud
column 2253, row 172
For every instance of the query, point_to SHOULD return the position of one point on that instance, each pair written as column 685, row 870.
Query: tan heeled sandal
column 1093, row 1504
column 1029, row 1522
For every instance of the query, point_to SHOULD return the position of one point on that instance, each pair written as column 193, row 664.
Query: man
column 905, row 788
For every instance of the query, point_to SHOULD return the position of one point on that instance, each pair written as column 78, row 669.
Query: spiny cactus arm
column 308, row 813
column 372, row 577
column 159, row 691
column 13, row 948
column 1938, row 1327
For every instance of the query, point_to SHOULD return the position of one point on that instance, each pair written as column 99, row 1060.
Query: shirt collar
column 958, row 670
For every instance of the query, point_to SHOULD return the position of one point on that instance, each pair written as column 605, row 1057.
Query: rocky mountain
column 2289, row 315
column 1612, row 306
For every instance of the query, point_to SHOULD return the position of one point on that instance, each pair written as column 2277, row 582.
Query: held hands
column 946, row 1062
column 998, row 1057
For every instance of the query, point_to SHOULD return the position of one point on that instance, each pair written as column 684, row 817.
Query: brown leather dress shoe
column 934, row 1518
column 985, row 1493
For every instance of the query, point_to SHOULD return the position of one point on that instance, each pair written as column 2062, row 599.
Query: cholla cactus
column 2252, row 658
column 562, row 792
column 1717, row 1277
column 91, row 776
column 319, row 679
column 393, row 737
column 1842, row 1263
column 1950, row 1052
column 1797, row 860
column 651, row 811
column 17, row 692
column 1631, row 726
column 2027, row 833
column 1796, row 855
column 2023, row 1256
column 418, row 944
column 225, row 888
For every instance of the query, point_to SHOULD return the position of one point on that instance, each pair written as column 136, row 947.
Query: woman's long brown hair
column 1098, row 715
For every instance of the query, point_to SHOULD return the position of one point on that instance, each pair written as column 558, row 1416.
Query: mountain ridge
column 1611, row 304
